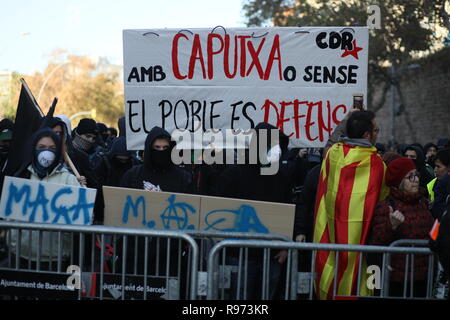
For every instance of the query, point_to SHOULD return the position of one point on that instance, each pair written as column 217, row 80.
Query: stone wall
column 426, row 92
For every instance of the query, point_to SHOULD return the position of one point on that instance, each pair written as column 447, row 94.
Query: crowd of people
column 408, row 187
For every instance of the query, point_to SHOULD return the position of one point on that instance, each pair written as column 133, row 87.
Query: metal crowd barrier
column 207, row 239
column 409, row 268
column 291, row 282
column 97, row 255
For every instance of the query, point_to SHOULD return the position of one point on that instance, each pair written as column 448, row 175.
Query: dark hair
column 444, row 157
column 428, row 146
column 390, row 156
column 380, row 147
column 410, row 147
column 113, row 131
column 359, row 123
column 416, row 144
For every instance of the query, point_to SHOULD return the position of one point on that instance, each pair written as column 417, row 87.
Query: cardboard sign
column 42, row 202
column 234, row 215
column 144, row 209
column 300, row 79
column 175, row 211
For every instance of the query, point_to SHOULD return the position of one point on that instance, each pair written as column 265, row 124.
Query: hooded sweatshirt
column 244, row 181
column 110, row 172
column 56, row 173
column 158, row 168
column 425, row 176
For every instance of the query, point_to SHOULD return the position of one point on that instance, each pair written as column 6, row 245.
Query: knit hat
column 397, row 170
column 86, row 126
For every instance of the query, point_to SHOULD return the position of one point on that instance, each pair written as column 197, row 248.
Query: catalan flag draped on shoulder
column 351, row 184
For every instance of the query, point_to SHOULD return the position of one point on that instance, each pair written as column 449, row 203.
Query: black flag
column 28, row 120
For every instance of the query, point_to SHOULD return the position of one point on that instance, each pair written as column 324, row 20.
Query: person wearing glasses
column 403, row 214
column 415, row 153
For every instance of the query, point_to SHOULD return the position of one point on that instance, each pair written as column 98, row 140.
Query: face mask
column 161, row 159
column 274, row 154
column 42, row 161
column 122, row 163
column 45, row 158
column 105, row 137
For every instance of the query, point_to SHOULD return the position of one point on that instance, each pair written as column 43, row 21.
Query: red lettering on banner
column 272, row 58
column 175, row 67
column 255, row 59
column 323, row 123
column 226, row 63
column 335, row 120
column 196, row 54
column 243, row 47
column 211, row 53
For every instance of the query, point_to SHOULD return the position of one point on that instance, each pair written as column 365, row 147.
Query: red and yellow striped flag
column 351, row 184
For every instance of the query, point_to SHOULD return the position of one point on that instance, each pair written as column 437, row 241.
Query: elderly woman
column 403, row 215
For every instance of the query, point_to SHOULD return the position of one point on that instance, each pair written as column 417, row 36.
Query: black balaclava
column 119, row 148
column 420, row 159
column 41, row 160
column 103, row 131
column 155, row 159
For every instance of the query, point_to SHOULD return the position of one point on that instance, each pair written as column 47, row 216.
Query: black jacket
column 441, row 192
column 110, row 172
column 170, row 179
column 244, row 181
column 425, row 176
column 304, row 213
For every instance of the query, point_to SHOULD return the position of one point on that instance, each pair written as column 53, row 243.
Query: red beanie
column 397, row 170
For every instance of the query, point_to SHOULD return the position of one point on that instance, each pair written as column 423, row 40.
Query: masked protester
column 46, row 166
column 247, row 181
column 84, row 136
column 83, row 143
column 158, row 171
column 416, row 154
column 110, row 172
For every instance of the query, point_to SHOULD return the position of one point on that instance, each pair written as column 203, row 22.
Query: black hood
column 283, row 139
column 266, row 126
column 51, row 122
column 155, row 133
column 420, row 160
column 119, row 148
column 47, row 132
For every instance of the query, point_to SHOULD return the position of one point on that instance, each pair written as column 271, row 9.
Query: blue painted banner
column 41, row 202
column 175, row 211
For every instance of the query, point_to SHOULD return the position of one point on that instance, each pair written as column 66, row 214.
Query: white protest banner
column 231, row 78
column 42, row 202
